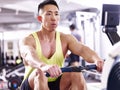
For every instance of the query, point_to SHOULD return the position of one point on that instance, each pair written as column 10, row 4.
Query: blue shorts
column 55, row 85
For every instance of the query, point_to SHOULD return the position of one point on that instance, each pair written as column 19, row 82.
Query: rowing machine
column 12, row 75
column 111, row 70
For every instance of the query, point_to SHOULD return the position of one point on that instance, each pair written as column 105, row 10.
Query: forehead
column 48, row 8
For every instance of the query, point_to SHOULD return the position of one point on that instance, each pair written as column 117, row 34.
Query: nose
column 53, row 17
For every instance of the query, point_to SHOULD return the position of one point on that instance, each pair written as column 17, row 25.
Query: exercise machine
column 110, row 21
column 111, row 70
column 12, row 75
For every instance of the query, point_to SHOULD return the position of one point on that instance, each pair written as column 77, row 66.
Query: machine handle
column 76, row 69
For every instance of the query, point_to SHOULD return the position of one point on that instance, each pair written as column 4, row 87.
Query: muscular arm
column 82, row 50
column 28, row 52
column 88, row 54
column 30, row 58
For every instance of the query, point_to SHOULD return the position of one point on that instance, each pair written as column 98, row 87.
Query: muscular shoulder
column 28, row 40
column 67, row 37
column 71, row 42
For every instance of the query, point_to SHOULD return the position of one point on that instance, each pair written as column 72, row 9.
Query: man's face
column 50, row 17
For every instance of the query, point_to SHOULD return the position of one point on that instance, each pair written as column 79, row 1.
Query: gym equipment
column 110, row 19
column 77, row 69
column 12, row 75
column 111, row 69
column 14, row 82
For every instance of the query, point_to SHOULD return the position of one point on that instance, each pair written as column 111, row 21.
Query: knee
column 79, row 78
column 40, row 75
column 76, row 76
column 70, row 76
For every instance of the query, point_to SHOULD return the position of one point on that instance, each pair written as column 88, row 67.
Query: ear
column 39, row 18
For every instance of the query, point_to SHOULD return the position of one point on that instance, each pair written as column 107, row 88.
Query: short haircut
column 47, row 2
column 72, row 27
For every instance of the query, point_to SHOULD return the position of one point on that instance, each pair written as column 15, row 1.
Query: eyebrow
column 55, row 11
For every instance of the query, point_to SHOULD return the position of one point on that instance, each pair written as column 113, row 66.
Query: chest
column 48, row 48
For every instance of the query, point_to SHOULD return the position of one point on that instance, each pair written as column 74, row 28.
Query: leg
column 38, row 81
column 75, row 63
column 72, row 81
column 78, row 82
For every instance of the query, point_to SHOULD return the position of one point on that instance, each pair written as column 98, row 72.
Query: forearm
column 89, row 55
column 29, row 55
column 33, row 61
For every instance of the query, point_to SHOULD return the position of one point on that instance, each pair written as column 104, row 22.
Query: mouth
column 54, row 24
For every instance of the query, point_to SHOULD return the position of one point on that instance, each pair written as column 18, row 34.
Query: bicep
column 74, row 45
column 80, row 49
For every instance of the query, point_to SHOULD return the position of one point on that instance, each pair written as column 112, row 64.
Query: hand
column 99, row 65
column 53, row 70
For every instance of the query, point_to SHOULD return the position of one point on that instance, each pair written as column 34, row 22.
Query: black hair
column 72, row 27
column 46, row 2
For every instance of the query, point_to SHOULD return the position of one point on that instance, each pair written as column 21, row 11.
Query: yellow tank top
column 57, row 58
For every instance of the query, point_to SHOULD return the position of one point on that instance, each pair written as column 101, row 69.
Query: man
column 74, row 59
column 44, row 51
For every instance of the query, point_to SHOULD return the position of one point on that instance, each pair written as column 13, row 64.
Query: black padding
column 114, row 78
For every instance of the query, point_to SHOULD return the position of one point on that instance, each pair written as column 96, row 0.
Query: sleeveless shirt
column 56, row 58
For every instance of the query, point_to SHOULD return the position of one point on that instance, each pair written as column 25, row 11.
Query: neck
column 47, row 35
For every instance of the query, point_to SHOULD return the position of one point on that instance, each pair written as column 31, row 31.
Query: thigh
column 38, row 80
column 72, row 80
column 65, row 81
